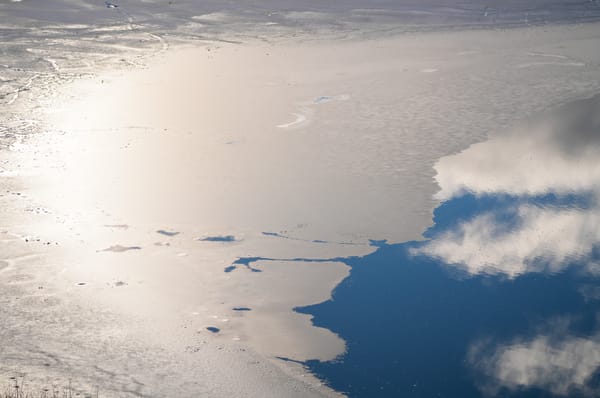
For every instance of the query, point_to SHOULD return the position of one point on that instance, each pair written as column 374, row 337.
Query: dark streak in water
column 275, row 234
column 167, row 233
column 286, row 359
column 224, row 238
column 247, row 261
column 229, row 268
column 282, row 236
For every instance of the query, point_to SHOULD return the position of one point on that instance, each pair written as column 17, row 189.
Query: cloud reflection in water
column 548, row 173
column 544, row 239
column 555, row 152
column 555, row 361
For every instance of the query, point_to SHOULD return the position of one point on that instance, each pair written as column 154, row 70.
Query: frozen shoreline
column 70, row 187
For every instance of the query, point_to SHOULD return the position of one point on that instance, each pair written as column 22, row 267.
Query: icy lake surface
column 300, row 199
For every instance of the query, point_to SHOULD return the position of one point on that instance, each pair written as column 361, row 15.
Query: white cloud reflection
column 520, row 163
column 545, row 240
column 553, row 154
column 562, row 365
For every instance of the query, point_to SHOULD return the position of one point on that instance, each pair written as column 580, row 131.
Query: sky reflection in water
column 502, row 298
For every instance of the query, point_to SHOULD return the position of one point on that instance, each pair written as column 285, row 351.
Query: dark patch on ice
column 213, row 329
column 320, row 241
column 167, row 233
column 247, row 261
column 217, row 238
column 378, row 243
column 242, row 309
column 108, row 4
column 322, row 99
column 275, row 234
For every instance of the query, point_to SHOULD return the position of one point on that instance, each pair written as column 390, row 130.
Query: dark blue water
column 502, row 296
column 224, row 238
column 410, row 320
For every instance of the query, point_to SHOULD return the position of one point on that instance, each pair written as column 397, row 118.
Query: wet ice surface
column 501, row 296
column 90, row 294
column 52, row 331
column 53, row 42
